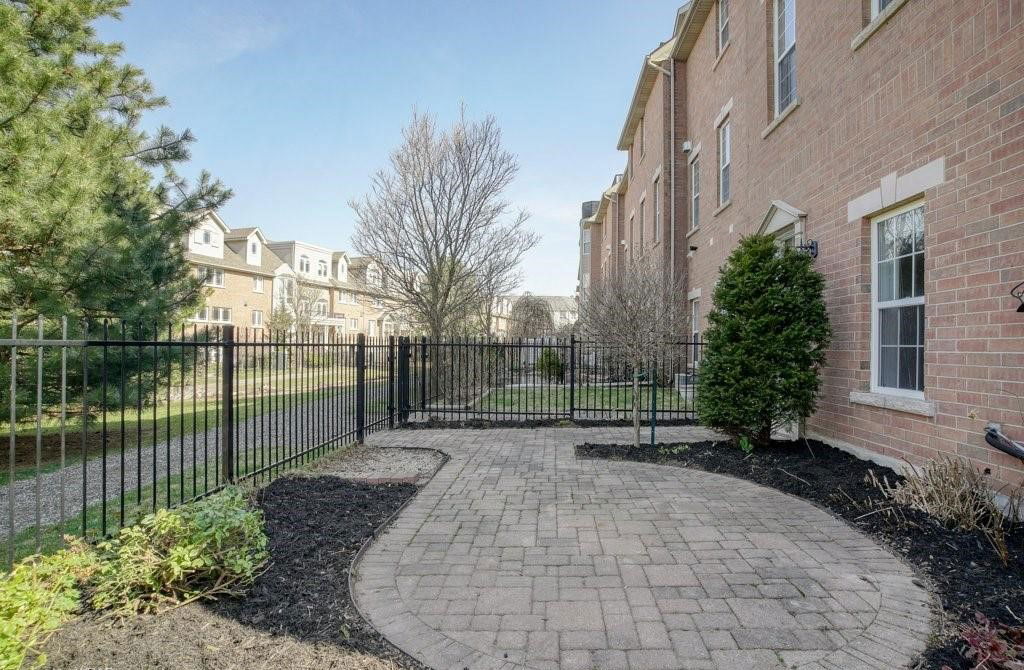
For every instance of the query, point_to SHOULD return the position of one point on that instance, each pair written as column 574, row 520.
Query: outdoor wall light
column 811, row 247
column 693, row 247
column 1018, row 293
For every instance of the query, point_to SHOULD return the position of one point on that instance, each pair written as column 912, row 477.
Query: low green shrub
column 210, row 547
column 36, row 597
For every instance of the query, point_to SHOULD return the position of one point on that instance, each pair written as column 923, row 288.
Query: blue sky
column 295, row 104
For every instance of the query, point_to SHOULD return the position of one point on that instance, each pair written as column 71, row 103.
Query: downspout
column 671, row 74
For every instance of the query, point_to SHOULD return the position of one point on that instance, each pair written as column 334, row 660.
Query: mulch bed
column 963, row 569
column 298, row 614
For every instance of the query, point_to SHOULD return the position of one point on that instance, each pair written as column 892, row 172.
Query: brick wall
column 936, row 90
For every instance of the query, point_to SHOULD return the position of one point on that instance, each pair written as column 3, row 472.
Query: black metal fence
column 549, row 378
column 109, row 422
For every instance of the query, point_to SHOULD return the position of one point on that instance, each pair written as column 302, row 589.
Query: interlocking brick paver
column 518, row 555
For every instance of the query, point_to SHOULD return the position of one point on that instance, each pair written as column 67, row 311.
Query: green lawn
column 556, row 399
column 170, row 420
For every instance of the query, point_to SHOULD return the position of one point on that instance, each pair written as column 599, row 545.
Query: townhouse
column 886, row 137
column 249, row 277
column 564, row 314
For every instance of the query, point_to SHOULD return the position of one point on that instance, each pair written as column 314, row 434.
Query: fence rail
column 112, row 421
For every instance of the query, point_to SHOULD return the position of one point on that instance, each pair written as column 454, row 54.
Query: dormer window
column 207, row 237
column 373, row 277
column 321, row 269
column 342, row 272
column 252, row 248
column 304, row 265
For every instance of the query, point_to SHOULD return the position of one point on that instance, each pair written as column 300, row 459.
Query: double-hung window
column 695, row 194
column 785, row 54
column 655, row 209
column 724, row 161
column 257, row 318
column 257, row 284
column 640, row 211
column 898, row 302
column 212, row 276
column 723, row 24
column 695, row 327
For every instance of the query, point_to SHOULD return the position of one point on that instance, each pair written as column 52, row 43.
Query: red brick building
column 889, row 132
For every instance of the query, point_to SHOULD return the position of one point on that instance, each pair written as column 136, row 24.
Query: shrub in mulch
column 298, row 613
column 967, row 574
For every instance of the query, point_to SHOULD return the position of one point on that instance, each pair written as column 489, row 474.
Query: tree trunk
column 636, row 410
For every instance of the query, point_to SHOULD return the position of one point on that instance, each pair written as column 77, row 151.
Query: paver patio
column 519, row 555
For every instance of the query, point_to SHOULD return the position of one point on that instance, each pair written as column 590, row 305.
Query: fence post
column 572, row 377
column 391, row 381
column 360, row 387
column 403, row 380
column 227, row 382
column 423, row 373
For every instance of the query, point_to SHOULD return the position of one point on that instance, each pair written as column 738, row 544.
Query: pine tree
column 765, row 343
column 92, row 211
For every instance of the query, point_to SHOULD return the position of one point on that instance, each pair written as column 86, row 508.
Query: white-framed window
column 640, row 211
column 320, row 308
column 695, row 328
column 878, row 6
column 207, row 237
column 785, row 54
column 897, row 301
column 304, row 264
column 211, row 276
column 656, row 208
column 632, row 228
column 723, row 24
column 353, row 324
column 252, row 248
column 202, row 314
column 220, row 314
column 378, row 302
column 373, row 276
column 724, row 161
column 586, row 242
column 257, row 284
column 640, row 137
column 321, row 269
column 695, row 194
column 257, row 318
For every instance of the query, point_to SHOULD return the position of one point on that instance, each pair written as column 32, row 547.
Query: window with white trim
column 321, row 269
column 304, row 264
column 695, row 327
column 724, row 161
column 586, row 242
column 211, row 276
column 695, row 194
column 354, row 324
column 640, row 134
column 257, row 284
column 220, row 314
column 207, row 237
column 201, row 315
column 898, row 301
column 640, row 211
column 785, row 54
column 656, row 209
column 257, row 318
column 723, row 24
column 878, row 6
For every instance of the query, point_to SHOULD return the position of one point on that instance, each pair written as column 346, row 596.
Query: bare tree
column 297, row 308
column 437, row 225
column 636, row 312
column 531, row 317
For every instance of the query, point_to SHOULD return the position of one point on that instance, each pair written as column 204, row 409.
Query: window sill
column 721, row 207
column 720, row 54
column 692, row 232
column 893, row 402
column 783, row 115
column 876, row 23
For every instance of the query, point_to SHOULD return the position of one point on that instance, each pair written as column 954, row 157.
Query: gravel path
column 261, row 439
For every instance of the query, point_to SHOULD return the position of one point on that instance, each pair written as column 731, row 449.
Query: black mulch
column 298, row 614
column 966, row 573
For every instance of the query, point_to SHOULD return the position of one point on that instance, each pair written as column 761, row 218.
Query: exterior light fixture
column 810, row 247
column 1018, row 293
